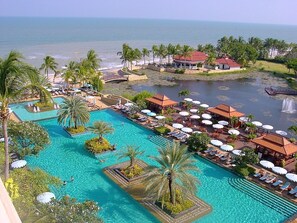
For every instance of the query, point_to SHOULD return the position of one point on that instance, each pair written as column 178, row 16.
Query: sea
column 70, row 38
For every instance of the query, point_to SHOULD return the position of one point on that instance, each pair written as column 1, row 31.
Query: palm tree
column 233, row 121
column 145, row 53
column 49, row 63
column 131, row 152
column 250, row 117
column 293, row 129
column 186, row 51
column 171, row 51
column 101, row 128
column 70, row 73
column 136, row 55
column 184, row 93
column 155, row 49
column 14, row 80
column 74, row 111
column 93, row 60
column 124, row 54
column 211, row 59
column 162, row 52
column 172, row 173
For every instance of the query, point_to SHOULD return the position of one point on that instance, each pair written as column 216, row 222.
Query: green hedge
column 134, row 171
column 94, row 146
column 245, row 170
column 45, row 106
column 162, row 130
column 79, row 129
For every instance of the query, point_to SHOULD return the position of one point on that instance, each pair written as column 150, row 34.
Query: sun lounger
column 257, row 174
column 270, row 180
column 293, row 191
column 264, row 177
column 285, row 186
column 277, row 183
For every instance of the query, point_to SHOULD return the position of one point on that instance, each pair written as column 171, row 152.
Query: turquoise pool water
column 20, row 110
column 66, row 157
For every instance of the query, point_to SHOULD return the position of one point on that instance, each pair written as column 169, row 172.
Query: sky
column 247, row 11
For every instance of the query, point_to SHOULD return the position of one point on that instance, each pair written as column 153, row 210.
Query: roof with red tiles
column 194, row 56
column 161, row 100
column 227, row 61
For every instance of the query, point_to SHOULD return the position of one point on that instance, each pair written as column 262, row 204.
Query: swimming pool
column 66, row 157
column 20, row 110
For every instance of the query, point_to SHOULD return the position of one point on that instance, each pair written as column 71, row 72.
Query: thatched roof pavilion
column 159, row 102
column 225, row 111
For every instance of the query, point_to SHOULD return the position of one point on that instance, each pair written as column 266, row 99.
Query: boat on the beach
column 275, row 91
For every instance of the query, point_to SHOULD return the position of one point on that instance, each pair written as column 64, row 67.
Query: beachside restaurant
column 159, row 102
column 191, row 61
column 275, row 148
column 225, row 111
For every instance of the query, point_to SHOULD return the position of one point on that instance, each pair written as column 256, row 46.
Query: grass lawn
column 273, row 67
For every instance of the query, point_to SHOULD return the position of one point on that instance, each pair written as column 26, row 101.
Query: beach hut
column 276, row 148
column 159, row 102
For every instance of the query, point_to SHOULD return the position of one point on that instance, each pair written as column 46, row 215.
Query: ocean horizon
column 70, row 38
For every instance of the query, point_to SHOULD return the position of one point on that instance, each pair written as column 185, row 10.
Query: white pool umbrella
column 279, row 170
column 128, row 104
column 206, row 116
column 196, row 102
column 194, row 116
column 217, row 126
column 193, row 110
column 233, row 132
column 281, row 132
column 238, row 152
column 45, row 197
column 159, row 117
column 90, row 97
column 197, row 132
column 145, row 111
column 151, row 114
column 77, row 90
column 187, row 130
column 292, row 177
column 177, row 125
column 267, row 127
column 257, row 123
column 188, row 99
column 204, row 105
column 244, row 119
column 223, row 122
column 184, row 113
column 266, row 164
column 216, row 142
column 206, row 122
column 18, row 164
column 226, row 147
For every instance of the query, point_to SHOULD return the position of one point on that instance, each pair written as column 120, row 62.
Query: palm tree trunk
column 4, row 128
column 172, row 200
column 131, row 162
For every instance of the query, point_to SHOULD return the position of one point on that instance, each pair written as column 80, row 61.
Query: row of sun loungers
column 271, row 179
column 179, row 135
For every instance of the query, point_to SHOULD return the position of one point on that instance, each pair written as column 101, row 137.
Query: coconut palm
column 73, row 111
column 136, row 55
column 124, row 54
column 155, row 49
column 101, row 128
column 14, row 80
column 233, row 121
column 211, row 59
column 293, row 129
column 162, row 52
column 93, row 60
column 172, row 173
column 171, row 51
column 131, row 152
column 145, row 53
column 250, row 117
column 186, row 51
column 49, row 63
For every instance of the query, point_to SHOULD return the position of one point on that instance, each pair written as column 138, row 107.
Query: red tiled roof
column 161, row 100
column 227, row 61
column 276, row 143
column 225, row 111
column 194, row 56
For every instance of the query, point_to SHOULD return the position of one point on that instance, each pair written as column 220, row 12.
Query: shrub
column 283, row 163
column 197, row 142
column 134, row 116
column 162, row 130
column 179, row 71
column 242, row 170
column 168, row 120
column 45, row 106
column 132, row 171
column 79, row 129
column 251, row 136
column 95, row 146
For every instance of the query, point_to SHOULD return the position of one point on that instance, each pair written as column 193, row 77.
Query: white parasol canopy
column 206, row 116
column 206, row 122
column 45, row 197
column 177, row 125
column 188, row 99
column 223, row 122
column 257, row 123
column 226, row 147
column 187, row 130
column 196, row 102
column 197, row 132
column 244, row 119
column 267, row 127
column 193, row 110
column 238, row 152
column 216, row 142
column 145, row 111
column 292, row 177
column 184, row 113
column 18, row 164
column 90, row 97
column 279, row 170
column 233, row 132
column 217, row 126
column 128, row 104
column 194, row 116
column 281, row 132
column 151, row 114
column 266, row 164
column 159, row 117
column 204, row 105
